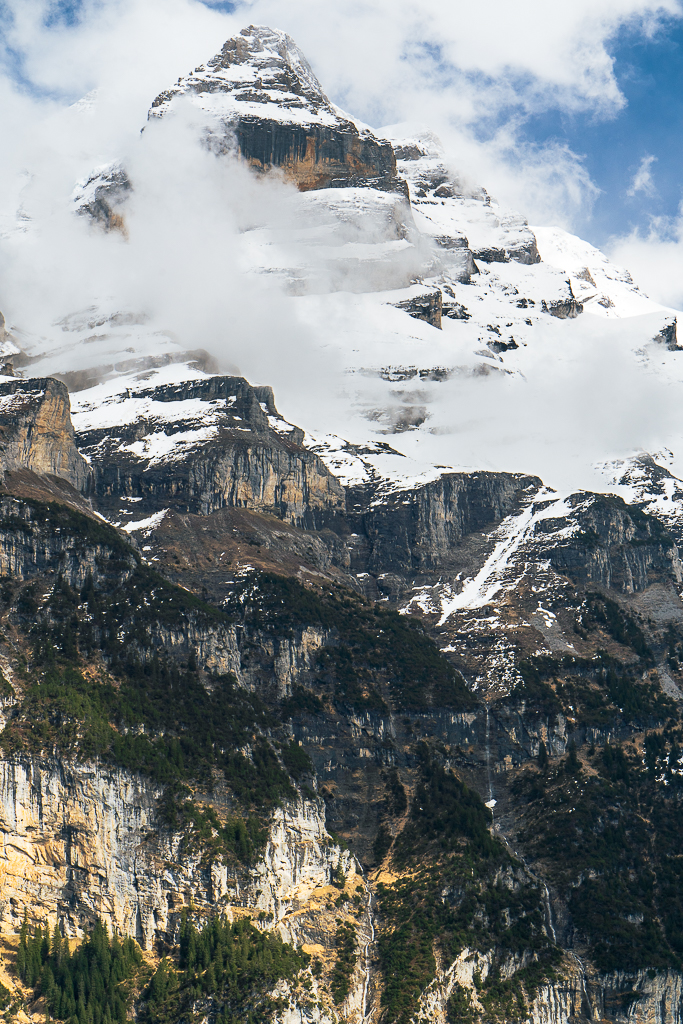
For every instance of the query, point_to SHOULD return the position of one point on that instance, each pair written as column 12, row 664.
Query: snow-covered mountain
column 451, row 335
column 456, row 416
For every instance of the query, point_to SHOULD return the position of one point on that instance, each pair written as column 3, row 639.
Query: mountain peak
column 260, row 97
column 259, row 66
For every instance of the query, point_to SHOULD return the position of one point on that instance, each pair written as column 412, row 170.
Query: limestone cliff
column 202, row 446
column 424, row 527
column 82, row 841
column 36, row 431
column 573, row 995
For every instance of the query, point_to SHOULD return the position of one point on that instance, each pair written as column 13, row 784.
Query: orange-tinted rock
column 261, row 99
column 313, row 155
column 36, row 432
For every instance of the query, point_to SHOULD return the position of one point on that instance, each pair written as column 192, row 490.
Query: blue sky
column 650, row 75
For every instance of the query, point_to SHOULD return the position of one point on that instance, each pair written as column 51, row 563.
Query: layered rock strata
column 263, row 100
column 36, row 432
column 203, row 446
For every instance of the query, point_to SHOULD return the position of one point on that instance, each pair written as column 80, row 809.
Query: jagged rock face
column 81, row 842
column 669, row 335
column 660, row 999
column 653, row 487
column 270, row 666
column 441, row 201
column 616, row 546
column 102, row 196
column 423, row 528
column 576, row 995
column 426, row 307
column 265, row 101
column 36, row 431
column 564, row 309
column 202, row 446
column 314, row 156
column 496, row 566
column 33, row 544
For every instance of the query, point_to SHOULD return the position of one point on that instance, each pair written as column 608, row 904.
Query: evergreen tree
column 572, row 764
column 57, row 945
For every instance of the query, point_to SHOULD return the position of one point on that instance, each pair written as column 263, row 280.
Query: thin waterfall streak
column 549, row 913
column 366, row 1015
column 491, row 802
column 584, row 990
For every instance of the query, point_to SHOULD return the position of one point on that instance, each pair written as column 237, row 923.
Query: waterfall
column 366, row 1015
column 585, row 1001
column 491, row 802
column 548, row 911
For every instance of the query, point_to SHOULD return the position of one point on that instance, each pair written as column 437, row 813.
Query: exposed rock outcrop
column 422, row 528
column 668, row 335
column 563, row 309
column 264, row 102
column 37, row 541
column 102, row 196
column 616, row 546
column 36, row 431
column 425, row 307
column 574, row 995
column 80, row 841
column 525, row 251
column 206, row 445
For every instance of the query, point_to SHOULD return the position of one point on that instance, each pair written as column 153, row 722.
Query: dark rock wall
column 617, row 546
column 418, row 529
column 314, row 155
column 246, row 464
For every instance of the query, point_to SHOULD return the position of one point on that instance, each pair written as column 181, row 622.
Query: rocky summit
column 374, row 717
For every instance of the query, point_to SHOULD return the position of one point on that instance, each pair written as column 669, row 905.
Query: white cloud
column 642, row 179
column 379, row 52
column 655, row 259
column 181, row 263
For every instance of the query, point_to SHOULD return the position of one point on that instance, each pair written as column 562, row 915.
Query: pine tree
column 191, row 950
column 572, row 764
column 21, row 962
column 22, row 952
column 56, row 951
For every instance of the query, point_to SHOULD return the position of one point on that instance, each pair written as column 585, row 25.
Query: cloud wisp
column 642, row 179
column 655, row 258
